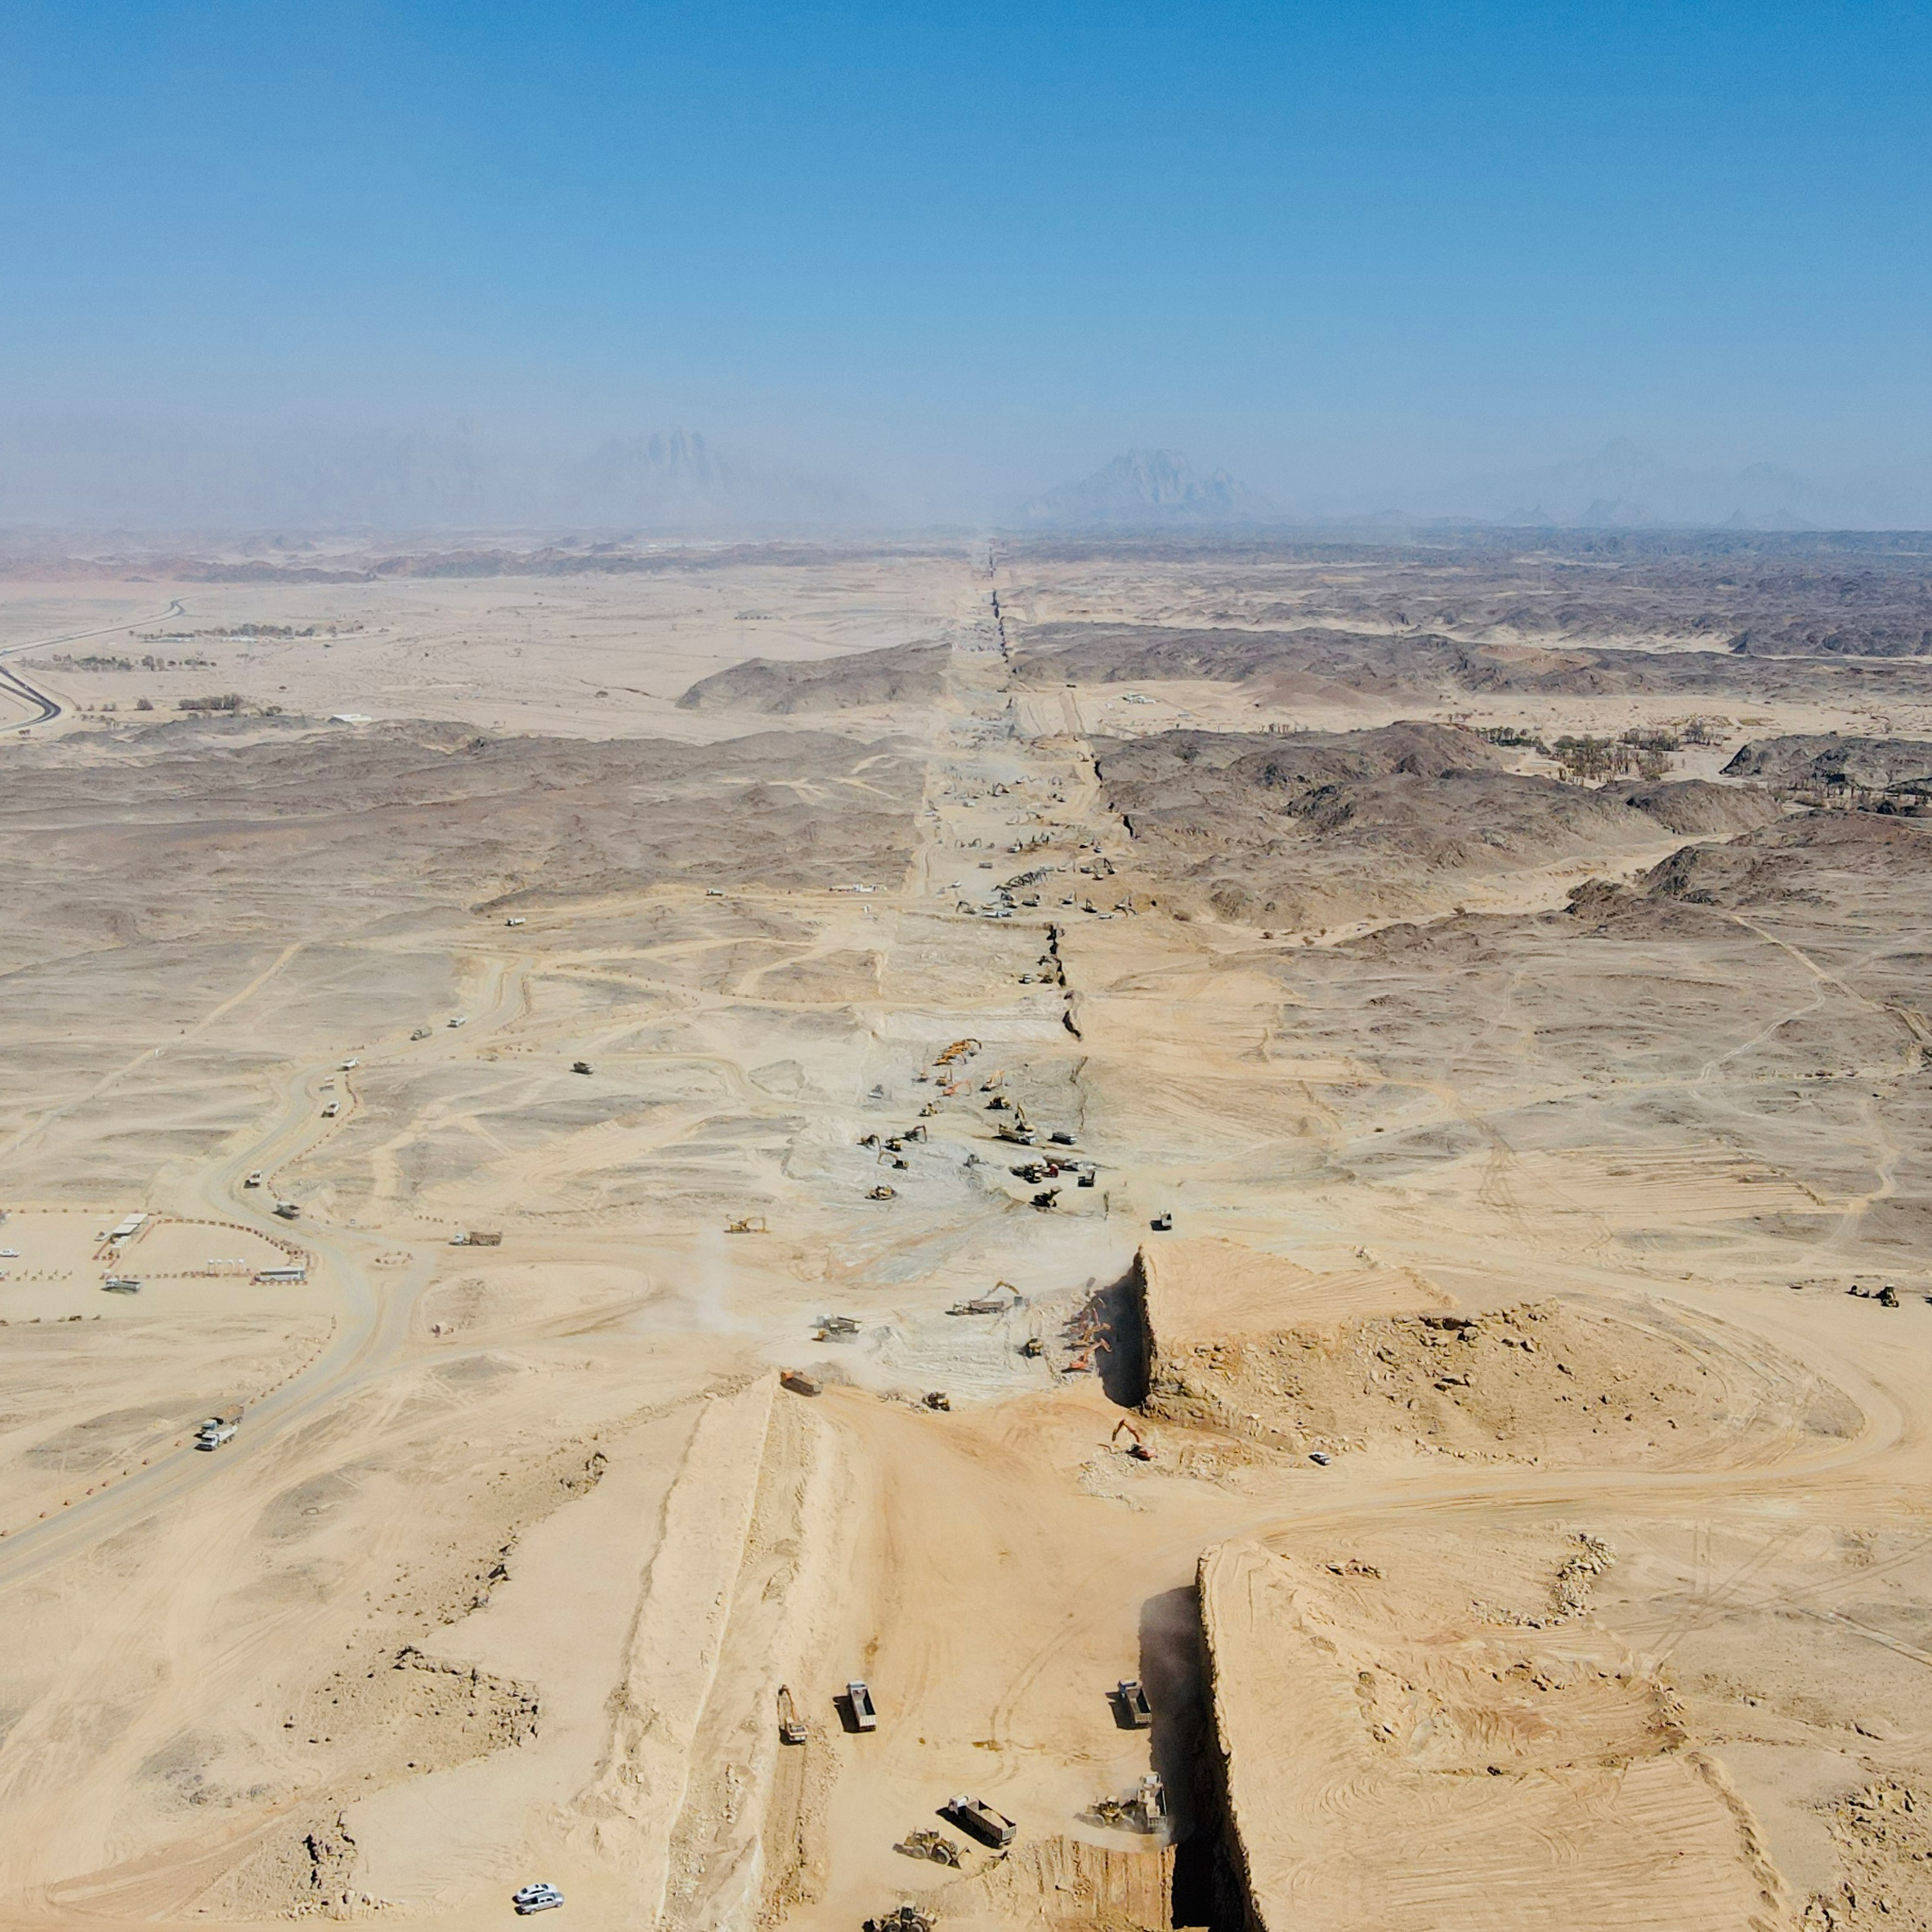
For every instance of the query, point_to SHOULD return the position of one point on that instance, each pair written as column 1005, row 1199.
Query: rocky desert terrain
column 1343, row 1134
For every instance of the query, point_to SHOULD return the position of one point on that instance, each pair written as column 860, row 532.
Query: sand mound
column 1390, row 1763
column 903, row 674
column 1256, row 1347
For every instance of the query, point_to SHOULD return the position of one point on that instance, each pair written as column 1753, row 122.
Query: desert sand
column 1450, row 1313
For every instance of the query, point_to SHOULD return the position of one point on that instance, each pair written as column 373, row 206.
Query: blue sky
column 987, row 244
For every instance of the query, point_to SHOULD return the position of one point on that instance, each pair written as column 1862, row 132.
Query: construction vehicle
column 1161, row 1223
column 835, row 1328
column 1047, row 1198
column 474, row 1238
column 1145, row 1811
column 1138, row 1447
column 330, row 1111
column 902, row 1918
column 286, row 1209
column 1131, row 1697
column 1017, row 1132
column 1032, row 1347
column 882, row 1193
column 580, row 1067
column 348, row 1066
column 1088, row 1179
column 937, row 1398
column 936, row 1845
column 751, row 1224
column 213, row 1431
column 791, row 1727
column 515, row 922
column 864, row 1713
column 991, row 1305
column 930, row 1108
column 254, row 1180
column 975, row 1816
column 421, row 1033
column 121, row 1285
column 801, row 1383
column 960, row 1049
column 461, row 1019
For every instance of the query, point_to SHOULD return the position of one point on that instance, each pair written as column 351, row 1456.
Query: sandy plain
column 1524, row 1180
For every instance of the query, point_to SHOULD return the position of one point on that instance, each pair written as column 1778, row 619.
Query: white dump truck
column 214, row 1430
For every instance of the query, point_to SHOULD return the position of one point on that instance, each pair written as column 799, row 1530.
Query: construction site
column 1049, row 1242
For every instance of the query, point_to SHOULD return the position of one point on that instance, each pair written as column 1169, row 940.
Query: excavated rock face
column 1398, row 1757
column 1541, row 1382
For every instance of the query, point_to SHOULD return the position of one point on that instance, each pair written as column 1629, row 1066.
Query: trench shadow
column 1122, row 1344
column 1173, row 1672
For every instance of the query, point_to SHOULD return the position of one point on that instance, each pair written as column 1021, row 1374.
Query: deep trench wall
column 1234, row 1905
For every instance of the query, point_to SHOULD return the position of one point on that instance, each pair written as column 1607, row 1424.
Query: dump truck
column 864, row 1713
column 975, row 1816
column 420, row 1033
column 791, row 1727
column 474, row 1238
column 213, row 1431
column 288, row 1210
column 330, row 1111
column 580, row 1067
column 1161, row 1223
column 1135, row 1707
column 801, row 1383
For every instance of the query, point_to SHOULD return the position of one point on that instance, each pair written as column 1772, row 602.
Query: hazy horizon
column 927, row 268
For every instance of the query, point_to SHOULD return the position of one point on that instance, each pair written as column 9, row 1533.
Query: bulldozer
column 936, row 1845
column 902, row 1918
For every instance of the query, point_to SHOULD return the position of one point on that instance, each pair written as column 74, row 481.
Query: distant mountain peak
column 1148, row 489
